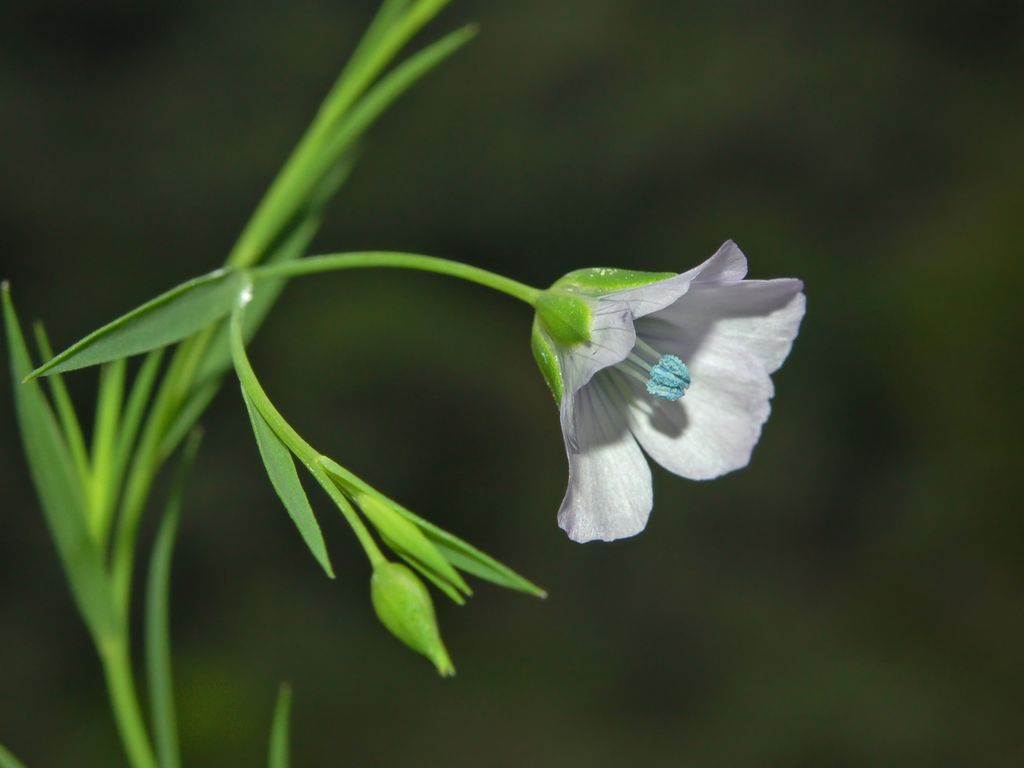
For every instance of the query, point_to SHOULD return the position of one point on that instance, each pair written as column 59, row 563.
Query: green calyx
column 597, row 281
column 403, row 605
column 564, row 316
column 547, row 360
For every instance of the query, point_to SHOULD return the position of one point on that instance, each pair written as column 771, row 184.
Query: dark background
column 854, row 597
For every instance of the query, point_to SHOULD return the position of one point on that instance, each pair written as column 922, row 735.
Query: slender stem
column 121, row 687
column 305, row 452
column 392, row 260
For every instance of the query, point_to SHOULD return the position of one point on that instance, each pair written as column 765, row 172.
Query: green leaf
column 7, row 760
column 451, row 592
column 390, row 87
column 134, row 410
column 65, row 410
column 187, row 415
column 470, row 559
column 61, row 494
column 158, row 636
column 168, row 318
column 104, row 447
column 406, row 539
column 278, row 753
column 281, row 471
column 291, row 245
column 459, row 553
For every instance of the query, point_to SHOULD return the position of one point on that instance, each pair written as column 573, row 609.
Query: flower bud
column 403, row 605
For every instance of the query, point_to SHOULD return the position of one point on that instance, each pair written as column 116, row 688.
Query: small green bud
column 565, row 317
column 403, row 605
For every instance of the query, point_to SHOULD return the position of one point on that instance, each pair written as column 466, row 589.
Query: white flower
column 679, row 365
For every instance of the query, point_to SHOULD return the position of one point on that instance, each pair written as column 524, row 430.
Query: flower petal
column 727, row 265
column 611, row 339
column 732, row 336
column 609, row 495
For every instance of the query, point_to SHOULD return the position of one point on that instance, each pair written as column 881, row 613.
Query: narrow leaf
column 406, row 539
column 104, row 447
column 168, row 318
column 61, row 495
column 391, row 86
column 7, row 760
column 458, row 552
column 281, row 471
column 158, row 636
column 291, row 245
column 65, row 411
column 187, row 415
column 138, row 398
column 470, row 559
column 451, row 592
column 278, row 753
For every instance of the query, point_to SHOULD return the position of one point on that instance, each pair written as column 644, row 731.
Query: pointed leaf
column 291, row 245
column 65, row 410
column 406, row 539
column 459, row 553
column 61, row 495
column 470, row 559
column 451, row 592
column 281, row 471
column 280, row 738
column 168, row 318
column 158, row 636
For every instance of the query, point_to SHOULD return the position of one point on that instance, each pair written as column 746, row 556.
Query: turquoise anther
column 670, row 378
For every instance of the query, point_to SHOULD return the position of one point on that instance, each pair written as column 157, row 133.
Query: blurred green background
column 852, row 598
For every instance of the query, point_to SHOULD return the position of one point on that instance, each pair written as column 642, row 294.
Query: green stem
column 392, row 260
column 121, row 687
column 305, row 452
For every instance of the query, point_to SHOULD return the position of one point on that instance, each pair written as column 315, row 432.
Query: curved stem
column 393, row 260
column 305, row 452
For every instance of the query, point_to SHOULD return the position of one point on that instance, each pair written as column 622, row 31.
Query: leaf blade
column 170, row 317
column 278, row 753
column 61, row 496
column 280, row 466
column 157, row 626
column 468, row 558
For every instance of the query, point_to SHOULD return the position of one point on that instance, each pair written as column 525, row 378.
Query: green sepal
column 597, row 281
column 547, row 360
column 565, row 317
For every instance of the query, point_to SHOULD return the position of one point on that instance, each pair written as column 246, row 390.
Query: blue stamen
column 670, row 378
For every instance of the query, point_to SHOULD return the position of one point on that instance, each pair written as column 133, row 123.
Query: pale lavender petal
column 609, row 494
column 611, row 339
column 732, row 336
column 728, row 264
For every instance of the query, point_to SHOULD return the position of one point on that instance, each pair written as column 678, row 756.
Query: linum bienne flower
column 678, row 364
